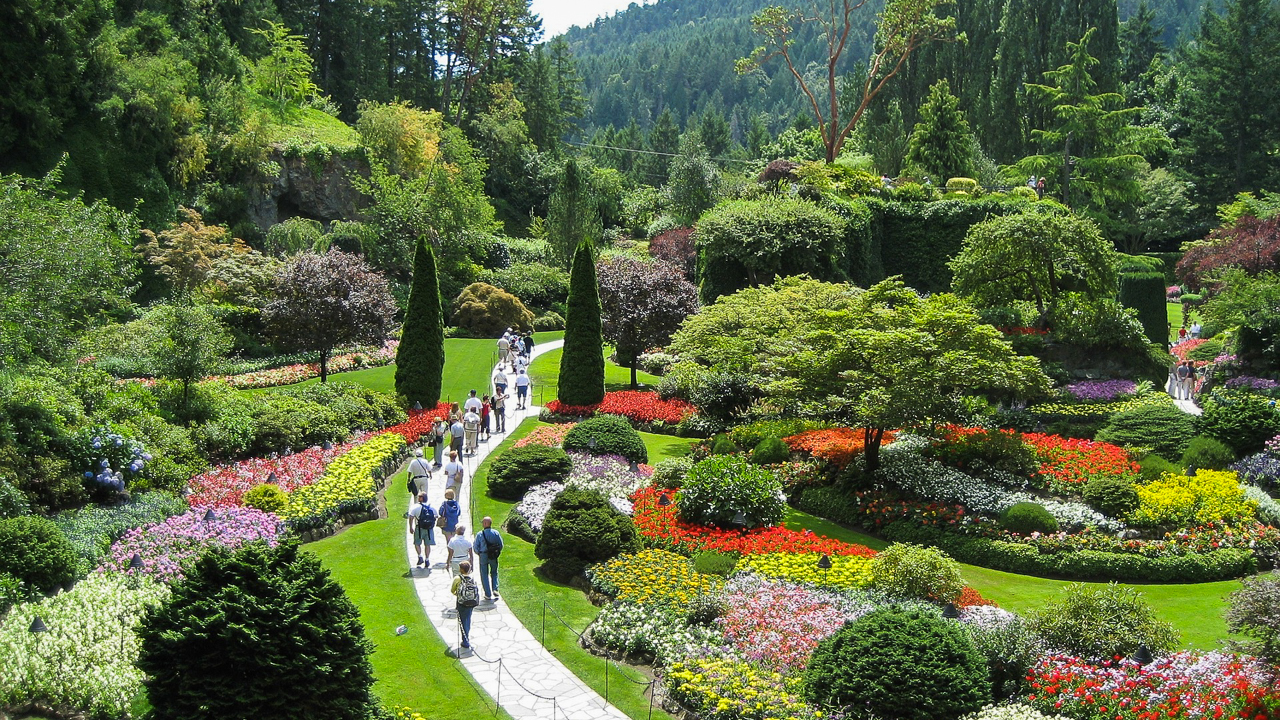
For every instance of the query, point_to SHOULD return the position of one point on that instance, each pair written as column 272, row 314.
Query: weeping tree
column 420, row 357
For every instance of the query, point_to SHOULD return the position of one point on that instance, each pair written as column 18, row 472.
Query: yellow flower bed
column 652, row 577
column 348, row 481
column 847, row 571
column 720, row 689
column 1093, row 410
column 1210, row 496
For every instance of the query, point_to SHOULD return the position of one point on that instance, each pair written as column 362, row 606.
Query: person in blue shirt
column 450, row 511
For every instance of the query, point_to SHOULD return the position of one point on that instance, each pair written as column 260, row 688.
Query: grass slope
column 525, row 591
column 412, row 670
column 545, row 372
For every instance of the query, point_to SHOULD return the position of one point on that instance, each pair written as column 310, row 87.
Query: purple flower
column 166, row 547
column 1101, row 390
column 1249, row 382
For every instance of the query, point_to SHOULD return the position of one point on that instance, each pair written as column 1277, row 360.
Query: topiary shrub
column 582, row 528
column 612, row 435
column 1163, row 428
column 962, row 184
column 1114, row 496
column 1244, row 421
column 936, row 672
column 254, row 633
column 714, row 562
column 518, row 469
column 769, row 451
column 1025, row 518
column 727, row 491
column 34, row 550
column 722, row 445
column 1207, row 453
column 267, row 497
column 670, row 473
column 1099, row 623
column 913, row 571
column 1208, row 351
column 1152, row 467
column 485, row 311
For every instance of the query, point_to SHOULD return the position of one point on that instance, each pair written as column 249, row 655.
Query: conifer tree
column 420, row 357
column 573, row 216
column 942, row 143
column 582, row 362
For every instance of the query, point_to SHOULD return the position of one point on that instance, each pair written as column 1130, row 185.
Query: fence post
column 653, row 690
column 544, row 624
column 606, row 676
column 497, row 696
column 553, row 707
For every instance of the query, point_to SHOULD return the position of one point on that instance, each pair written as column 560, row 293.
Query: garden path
column 506, row 659
column 1186, row 406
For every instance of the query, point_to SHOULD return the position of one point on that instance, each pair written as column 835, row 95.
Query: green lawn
column 524, row 591
column 412, row 670
column 545, row 372
column 1175, row 319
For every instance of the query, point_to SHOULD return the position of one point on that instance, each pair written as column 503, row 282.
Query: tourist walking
column 499, row 403
column 528, row 345
column 456, row 432
column 468, row 597
column 523, row 383
column 419, row 474
column 1040, row 187
column 437, row 441
column 453, row 472
column 472, row 403
column 422, row 525
column 471, row 426
column 449, row 512
column 504, row 346
column 500, row 380
column 510, row 358
column 1182, row 374
column 484, row 419
column 488, row 546
column 1196, row 329
column 459, row 549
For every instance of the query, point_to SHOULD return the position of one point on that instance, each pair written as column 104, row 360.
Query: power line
column 649, row 152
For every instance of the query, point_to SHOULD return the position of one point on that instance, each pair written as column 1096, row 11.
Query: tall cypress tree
column 582, row 363
column 942, row 143
column 420, row 357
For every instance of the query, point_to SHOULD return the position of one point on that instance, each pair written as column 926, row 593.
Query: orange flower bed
column 838, row 446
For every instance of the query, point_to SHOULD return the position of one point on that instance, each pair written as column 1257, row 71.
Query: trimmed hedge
column 518, row 469
column 1163, row 428
column 35, row 551
column 613, row 435
column 1144, row 292
column 1023, row 559
column 582, row 528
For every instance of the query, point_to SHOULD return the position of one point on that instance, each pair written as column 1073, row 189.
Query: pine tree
column 942, row 143
column 1139, row 43
column 664, row 137
column 420, row 357
column 573, row 217
column 582, row 363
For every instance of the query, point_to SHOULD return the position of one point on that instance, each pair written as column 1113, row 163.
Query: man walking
column 422, row 525
column 499, row 402
column 468, row 595
column 472, row 404
column 419, row 473
column 488, row 546
column 1183, row 375
column 471, row 428
column 523, row 383
column 500, row 380
column 459, row 549
column 456, row 432
column 453, row 471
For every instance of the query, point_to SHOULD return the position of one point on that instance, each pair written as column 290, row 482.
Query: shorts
column 427, row 535
column 500, row 387
column 522, row 390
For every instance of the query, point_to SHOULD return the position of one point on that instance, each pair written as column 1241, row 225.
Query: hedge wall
column 1144, row 292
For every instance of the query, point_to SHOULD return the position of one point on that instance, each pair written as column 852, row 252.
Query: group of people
column 1184, row 380
column 1194, row 332
column 514, row 349
column 1037, row 184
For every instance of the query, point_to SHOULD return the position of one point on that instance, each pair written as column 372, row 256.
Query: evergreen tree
column 1139, row 44
column 713, row 131
column 757, row 136
column 582, row 362
column 420, row 357
column 694, row 182
column 942, row 144
column 573, row 217
column 664, row 138
column 1230, row 101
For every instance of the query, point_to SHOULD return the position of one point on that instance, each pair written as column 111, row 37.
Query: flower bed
column 165, row 548
column 1069, row 464
column 224, row 486
column 1100, row 390
column 635, row 405
column 1095, row 411
column 1182, row 685
column 92, row 529
column 846, row 572
column 1179, row 501
column 1182, row 349
column 290, row 374
column 728, row 689
column 838, row 446
column 652, row 577
column 548, row 435
column 655, row 633
column 609, row 475
column 661, row 526
column 350, row 484
column 778, row 624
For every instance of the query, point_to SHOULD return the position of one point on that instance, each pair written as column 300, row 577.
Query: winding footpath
column 505, row 659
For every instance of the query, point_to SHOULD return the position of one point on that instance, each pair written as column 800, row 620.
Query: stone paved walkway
column 1186, row 406
column 496, row 633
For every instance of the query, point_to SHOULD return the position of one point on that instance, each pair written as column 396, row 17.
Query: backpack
column 468, row 593
column 426, row 515
column 492, row 549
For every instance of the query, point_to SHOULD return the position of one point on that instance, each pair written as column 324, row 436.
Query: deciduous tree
column 642, row 304
column 191, row 344
column 187, row 253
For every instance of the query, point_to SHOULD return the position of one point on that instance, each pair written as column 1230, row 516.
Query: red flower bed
column 224, row 486
column 1070, row 463
column 635, row 405
column 420, row 421
column 838, row 446
column 661, row 526
column 1022, row 331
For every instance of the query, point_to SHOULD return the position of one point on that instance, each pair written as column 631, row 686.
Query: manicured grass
column 1195, row 610
column 545, row 373
column 525, row 591
column 663, row 447
column 412, row 670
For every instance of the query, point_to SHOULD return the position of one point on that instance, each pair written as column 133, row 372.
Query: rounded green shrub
column 34, row 550
column 582, row 528
column 670, row 473
column 519, row 469
column 612, row 435
column 1243, row 421
column 1153, row 466
column 722, row 445
column 728, row 491
column 548, row 322
column 1114, row 496
column 908, row 664
column 1163, row 428
column 769, row 451
column 751, row 435
column 267, row 497
column 913, row 571
column 1025, row 518
column 1099, row 623
column 714, row 562
column 1208, row 351
column 1207, row 453
column 485, row 310
column 988, row 450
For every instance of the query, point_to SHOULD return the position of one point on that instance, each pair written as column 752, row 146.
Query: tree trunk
column 871, row 440
column 634, row 362
column 324, row 366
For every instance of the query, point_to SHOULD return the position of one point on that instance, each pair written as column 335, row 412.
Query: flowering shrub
column 846, row 572
column 224, row 486
column 1210, row 496
column 838, row 446
column 1181, row 685
column 108, row 458
column 1173, row 292
column 350, row 483
column 652, row 577
column 86, row 659
column 1095, row 390
column 635, row 405
column 1248, row 382
column 419, row 422
column 661, row 526
column 166, row 547
column 778, row 625
column 1069, row 463
column 654, row 630
column 536, row 502
column 1182, row 349
column 549, row 435
column 727, row 689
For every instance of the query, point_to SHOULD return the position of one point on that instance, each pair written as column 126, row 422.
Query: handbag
column 441, row 521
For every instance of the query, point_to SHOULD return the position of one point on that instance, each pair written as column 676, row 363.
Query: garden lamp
column 824, row 562
column 739, row 520
column 664, row 500
column 326, row 445
column 635, row 467
column 951, row 612
column 135, row 562
column 271, row 477
column 210, row 515
column 591, row 443
column 1143, row 655
column 38, row 626
column 417, row 406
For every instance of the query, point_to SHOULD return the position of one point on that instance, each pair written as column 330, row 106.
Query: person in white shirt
column 471, row 425
column 420, row 472
column 522, row 363
column 500, row 380
column 472, row 404
column 453, row 472
column 503, row 346
column 459, row 549
column 523, row 383
column 422, row 525
column 1196, row 329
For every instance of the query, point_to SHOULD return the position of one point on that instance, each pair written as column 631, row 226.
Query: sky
column 560, row 15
